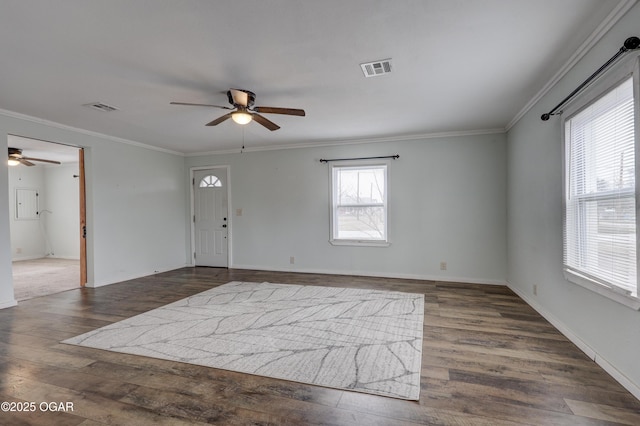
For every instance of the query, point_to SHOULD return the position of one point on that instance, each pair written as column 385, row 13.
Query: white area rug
column 361, row 340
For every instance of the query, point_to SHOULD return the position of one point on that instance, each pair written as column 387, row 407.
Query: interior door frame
column 82, row 198
column 226, row 169
column 83, row 218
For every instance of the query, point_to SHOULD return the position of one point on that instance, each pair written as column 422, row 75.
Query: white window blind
column 600, row 213
column 359, row 203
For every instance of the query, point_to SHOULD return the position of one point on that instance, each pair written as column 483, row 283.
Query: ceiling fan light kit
column 243, row 111
column 241, row 117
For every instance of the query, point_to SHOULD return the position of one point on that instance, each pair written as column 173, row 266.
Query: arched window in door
column 210, row 181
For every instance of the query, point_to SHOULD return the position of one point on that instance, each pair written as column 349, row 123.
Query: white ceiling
column 458, row 65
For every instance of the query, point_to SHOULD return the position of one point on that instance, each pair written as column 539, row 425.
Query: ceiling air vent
column 101, row 107
column 376, row 68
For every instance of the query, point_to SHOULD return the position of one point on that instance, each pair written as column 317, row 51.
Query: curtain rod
column 630, row 44
column 322, row 160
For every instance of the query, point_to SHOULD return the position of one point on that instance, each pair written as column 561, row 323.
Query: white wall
column 56, row 233
column 138, row 205
column 608, row 331
column 6, row 280
column 135, row 205
column 138, row 214
column 27, row 237
column 62, row 221
column 447, row 202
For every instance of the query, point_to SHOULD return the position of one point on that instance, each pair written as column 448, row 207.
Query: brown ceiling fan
column 244, row 111
column 16, row 157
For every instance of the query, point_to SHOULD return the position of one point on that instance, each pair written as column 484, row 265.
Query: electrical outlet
column 443, row 266
column 238, row 212
column 535, row 289
column 292, row 260
column 18, row 250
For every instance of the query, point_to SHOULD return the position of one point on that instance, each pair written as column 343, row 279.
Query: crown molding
column 342, row 142
column 19, row 116
column 620, row 10
column 315, row 144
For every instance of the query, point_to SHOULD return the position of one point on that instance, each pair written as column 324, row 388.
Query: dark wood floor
column 488, row 359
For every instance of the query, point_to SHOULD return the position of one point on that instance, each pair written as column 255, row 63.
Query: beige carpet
column 40, row 277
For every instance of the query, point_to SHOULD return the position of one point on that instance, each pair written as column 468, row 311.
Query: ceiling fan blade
column 41, row 160
column 25, row 162
column 219, row 120
column 240, row 97
column 265, row 122
column 274, row 110
column 204, row 105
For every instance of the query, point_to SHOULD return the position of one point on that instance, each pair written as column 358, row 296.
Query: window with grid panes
column 600, row 245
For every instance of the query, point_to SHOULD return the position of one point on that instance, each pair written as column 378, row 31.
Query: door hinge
column 193, row 181
column 194, row 218
column 194, row 255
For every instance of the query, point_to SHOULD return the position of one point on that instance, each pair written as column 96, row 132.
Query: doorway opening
column 46, row 206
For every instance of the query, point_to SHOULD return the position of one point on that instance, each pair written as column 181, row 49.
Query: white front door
column 210, row 217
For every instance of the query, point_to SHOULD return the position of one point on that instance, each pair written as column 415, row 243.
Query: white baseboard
column 63, row 257
column 584, row 347
column 33, row 257
column 97, row 284
column 438, row 278
column 8, row 303
column 21, row 258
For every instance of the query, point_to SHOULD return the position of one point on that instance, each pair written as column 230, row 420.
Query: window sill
column 361, row 243
column 617, row 296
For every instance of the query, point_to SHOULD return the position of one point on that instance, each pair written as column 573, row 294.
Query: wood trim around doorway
column 83, row 220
